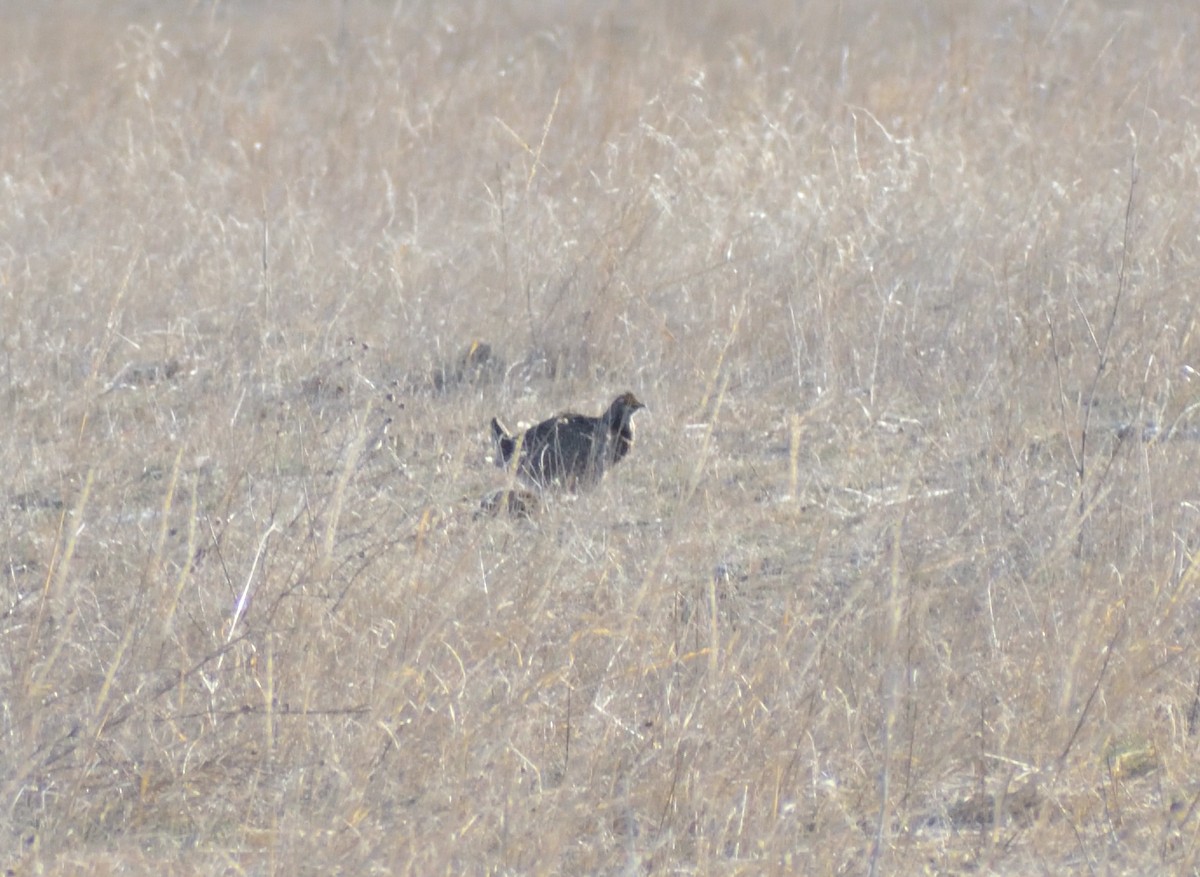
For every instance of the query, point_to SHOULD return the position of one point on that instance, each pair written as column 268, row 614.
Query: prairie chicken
column 571, row 449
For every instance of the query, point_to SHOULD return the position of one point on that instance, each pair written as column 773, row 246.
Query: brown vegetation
column 904, row 579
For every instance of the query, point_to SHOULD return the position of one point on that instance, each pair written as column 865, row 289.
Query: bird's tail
column 504, row 441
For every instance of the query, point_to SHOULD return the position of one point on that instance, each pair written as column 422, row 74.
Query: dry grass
column 901, row 577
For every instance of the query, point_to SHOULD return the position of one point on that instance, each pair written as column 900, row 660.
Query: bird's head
column 623, row 407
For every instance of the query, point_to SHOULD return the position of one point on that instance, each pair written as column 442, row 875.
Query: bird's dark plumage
column 571, row 449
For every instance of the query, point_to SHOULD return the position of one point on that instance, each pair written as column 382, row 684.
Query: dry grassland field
column 902, row 575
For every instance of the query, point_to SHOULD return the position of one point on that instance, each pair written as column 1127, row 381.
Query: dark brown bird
column 571, row 449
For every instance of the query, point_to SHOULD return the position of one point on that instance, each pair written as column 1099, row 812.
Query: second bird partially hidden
column 571, row 449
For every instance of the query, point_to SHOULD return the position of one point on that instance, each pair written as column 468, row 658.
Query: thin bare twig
column 1105, row 348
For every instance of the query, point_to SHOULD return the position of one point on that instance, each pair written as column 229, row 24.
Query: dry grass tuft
column 900, row 577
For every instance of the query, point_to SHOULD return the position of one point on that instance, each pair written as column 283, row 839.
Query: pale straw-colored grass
column 900, row 576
